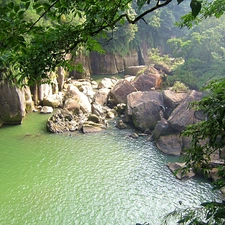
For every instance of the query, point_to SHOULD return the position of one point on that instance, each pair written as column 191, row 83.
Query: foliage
column 156, row 57
column 179, row 87
column 208, row 136
column 36, row 36
column 208, row 213
column 202, row 50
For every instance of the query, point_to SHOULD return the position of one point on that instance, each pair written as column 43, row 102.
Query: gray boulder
column 101, row 96
column 145, row 115
column 12, row 104
column 149, row 79
column 74, row 93
column 182, row 115
column 121, row 90
column 149, row 110
column 107, row 83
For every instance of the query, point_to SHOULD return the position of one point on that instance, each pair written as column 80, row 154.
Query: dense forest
column 36, row 36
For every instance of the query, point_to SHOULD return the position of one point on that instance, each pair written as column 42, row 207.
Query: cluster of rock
column 84, row 105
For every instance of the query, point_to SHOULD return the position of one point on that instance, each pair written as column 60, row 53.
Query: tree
column 32, row 46
column 202, row 51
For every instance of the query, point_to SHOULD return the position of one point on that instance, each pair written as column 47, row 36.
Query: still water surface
column 93, row 179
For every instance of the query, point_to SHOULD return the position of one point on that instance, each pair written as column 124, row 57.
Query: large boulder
column 62, row 121
column 74, row 93
column 107, row 83
column 54, row 100
column 101, row 96
column 85, row 87
column 172, row 99
column 72, row 105
column 12, row 104
column 135, row 98
column 183, row 115
column 134, row 70
column 121, row 90
column 146, row 114
column 148, row 80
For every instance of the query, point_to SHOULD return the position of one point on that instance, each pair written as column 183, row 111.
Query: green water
column 95, row 179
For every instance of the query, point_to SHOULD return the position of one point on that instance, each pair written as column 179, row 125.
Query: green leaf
column 27, row 5
column 21, row 13
column 140, row 3
column 11, row 5
column 195, row 7
column 16, row 8
column 220, row 213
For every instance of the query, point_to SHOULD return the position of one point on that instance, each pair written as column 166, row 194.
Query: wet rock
column 120, row 124
column 176, row 168
column 91, row 127
column 134, row 135
column 94, row 118
column 170, row 144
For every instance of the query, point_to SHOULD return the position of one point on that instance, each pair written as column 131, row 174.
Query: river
column 105, row 178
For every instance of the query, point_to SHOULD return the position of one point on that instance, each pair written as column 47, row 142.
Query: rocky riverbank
column 85, row 106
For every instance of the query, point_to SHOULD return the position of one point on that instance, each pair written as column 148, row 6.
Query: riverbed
column 105, row 178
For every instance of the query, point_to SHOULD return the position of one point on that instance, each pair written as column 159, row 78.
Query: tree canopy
column 37, row 35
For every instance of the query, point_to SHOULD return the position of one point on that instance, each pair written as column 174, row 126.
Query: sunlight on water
column 105, row 178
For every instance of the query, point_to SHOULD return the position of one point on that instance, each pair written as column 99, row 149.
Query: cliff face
column 108, row 63
column 112, row 64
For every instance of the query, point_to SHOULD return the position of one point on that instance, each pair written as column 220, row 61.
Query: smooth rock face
column 12, row 104
column 172, row 100
column 182, row 116
column 101, row 96
column 74, row 93
column 121, row 90
column 138, row 97
column 146, row 114
column 107, row 83
column 149, row 79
